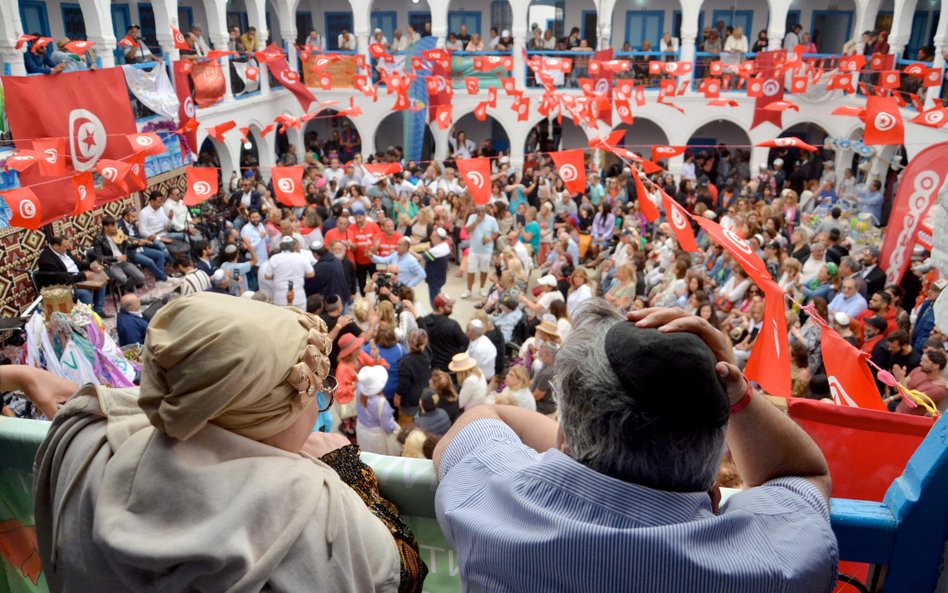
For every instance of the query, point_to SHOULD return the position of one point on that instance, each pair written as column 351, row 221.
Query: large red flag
column 884, row 124
column 88, row 108
column 209, row 83
column 27, row 212
column 771, row 88
column 380, row 169
column 739, row 249
column 603, row 81
column 288, row 185
column 186, row 113
column 850, row 380
column 769, row 362
column 476, row 174
column 918, row 191
column 202, row 185
column 571, row 167
column 680, row 223
column 291, row 82
column 648, row 208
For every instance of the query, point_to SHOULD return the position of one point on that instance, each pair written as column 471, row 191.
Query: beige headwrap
column 246, row 366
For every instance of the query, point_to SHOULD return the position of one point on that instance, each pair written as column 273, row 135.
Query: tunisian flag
column 884, row 124
column 850, row 380
column 918, row 191
column 771, row 88
column 680, row 223
column 89, row 108
column 25, row 206
column 288, row 185
column 186, row 113
column 476, row 173
column 291, row 82
column 202, row 185
column 209, row 83
column 571, row 167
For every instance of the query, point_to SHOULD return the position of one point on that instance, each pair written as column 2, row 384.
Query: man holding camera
column 412, row 273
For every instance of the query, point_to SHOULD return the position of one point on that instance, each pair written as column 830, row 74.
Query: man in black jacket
column 330, row 278
column 871, row 273
column 57, row 265
column 141, row 250
column 445, row 336
column 245, row 198
column 110, row 249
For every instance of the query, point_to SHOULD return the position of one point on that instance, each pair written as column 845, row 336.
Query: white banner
column 153, row 88
column 249, row 85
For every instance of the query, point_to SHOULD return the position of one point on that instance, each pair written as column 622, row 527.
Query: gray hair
column 603, row 426
column 852, row 263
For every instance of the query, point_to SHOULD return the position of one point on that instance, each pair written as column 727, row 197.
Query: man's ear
column 561, row 443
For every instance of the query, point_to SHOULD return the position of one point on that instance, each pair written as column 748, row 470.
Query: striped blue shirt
column 526, row 521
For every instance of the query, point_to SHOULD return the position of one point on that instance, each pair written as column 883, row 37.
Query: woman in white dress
column 471, row 379
column 580, row 290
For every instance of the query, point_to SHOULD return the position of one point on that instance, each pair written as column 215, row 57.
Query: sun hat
column 461, row 362
column 349, row 343
column 549, row 328
column 372, row 379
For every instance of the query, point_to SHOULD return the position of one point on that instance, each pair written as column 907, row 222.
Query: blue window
column 304, row 24
column 588, row 29
column 644, row 24
column 676, row 25
column 548, row 14
column 501, row 16
column 919, row 36
column 417, row 21
column 735, row 18
column 34, row 18
column 146, row 20
column 336, row 22
column 239, row 20
column 831, row 29
column 185, row 18
column 121, row 20
column 386, row 20
column 73, row 24
column 793, row 18
column 472, row 19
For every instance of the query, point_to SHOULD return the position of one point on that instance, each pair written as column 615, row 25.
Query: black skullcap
column 670, row 375
column 878, row 322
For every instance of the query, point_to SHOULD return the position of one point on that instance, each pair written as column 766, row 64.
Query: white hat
column 377, row 30
column 442, row 233
column 778, row 161
column 548, row 280
column 940, row 284
column 841, row 319
column 372, row 379
column 504, row 160
column 477, row 324
column 505, row 33
column 762, row 166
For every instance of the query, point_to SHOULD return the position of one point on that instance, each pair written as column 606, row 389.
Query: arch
column 321, row 129
column 731, row 131
column 479, row 131
column 542, row 12
column 223, row 154
column 642, row 134
column 391, row 131
column 569, row 135
column 264, row 145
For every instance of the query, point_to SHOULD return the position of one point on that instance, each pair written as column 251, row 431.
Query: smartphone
column 289, row 285
column 237, row 275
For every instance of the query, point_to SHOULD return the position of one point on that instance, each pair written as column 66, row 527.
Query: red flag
column 209, row 86
column 884, row 124
column 711, row 87
column 291, row 82
column 918, row 190
column 186, row 111
column 252, row 72
column 769, row 362
column 509, row 85
column 771, row 89
column 269, row 54
column 880, row 61
column 678, row 68
column 625, row 111
column 917, row 69
column 217, row 132
column 84, row 186
column 114, row 172
column 799, row 84
column 723, row 103
column 844, row 81
column 788, row 142
column 472, row 83
column 288, row 185
column 570, row 166
column 215, row 54
column 380, row 169
column 852, row 63
column 755, row 88
column 738, row 248
column 523, row 109
column 401, row 102
column 849, row 111
column 377, row 50
column 23, row 159
column 661, row 151
column 890, row 79
column 22, row 39
column 932, row 78
column 667, row 87
column 480, row 112
column 716, row 68
column 782, row 106
column 178, row 37
column 850, row 380
column 476, row 174
column 646, row 205
column 25, row 207
column 148, row 143
column 933, row 118
column 680, row 223
column 202, row 185
column 89, row 121
column 492, row 97
column 79, row 47
column 443, row 116
column 53, row 163
column 626, row 86
column 640, row 96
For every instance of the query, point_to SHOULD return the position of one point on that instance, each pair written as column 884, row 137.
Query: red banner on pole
column 476, row 174
column 291, row 82
column 571, row 167
column 182, row 86
column 771, row 88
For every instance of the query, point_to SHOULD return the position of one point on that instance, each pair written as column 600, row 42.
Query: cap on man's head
column 441, row 301
column 877, row 322
column 315, row 245
column 841, row 319
column 358, row 209
column 778, row 161
column 333, row 301
column 548, row 280
column 670, row 375
column 441, row 233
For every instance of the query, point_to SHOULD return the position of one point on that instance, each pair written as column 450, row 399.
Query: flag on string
column 476, row 174
column 288, row 185
column 25, row 207
column 571, row 167
column 680, row 222
column 202, row 185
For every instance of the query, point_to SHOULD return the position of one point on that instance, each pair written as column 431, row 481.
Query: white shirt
column 546, row 299
column 245, row 198
column 178, row 213
column 485, row 353
column 463, row 150
column 347, row 45
column 524, row 398
column 401, row 43
column 738, row 45
column 289, row 266
column 583, row 293
column 257, row 235
column 70, row 263
column 338, row 174
column 152, row 222
column 200, row 46
column 473, row 392
column 521, row 250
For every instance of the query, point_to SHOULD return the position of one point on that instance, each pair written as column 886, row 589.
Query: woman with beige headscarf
column 209, row 478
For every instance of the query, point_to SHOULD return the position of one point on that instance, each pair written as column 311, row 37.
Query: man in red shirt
column 879, row 304
column 340, row 232
column 362, row 237
column 926, row 377
column 386, row 240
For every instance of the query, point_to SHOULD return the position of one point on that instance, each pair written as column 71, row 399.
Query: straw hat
column 349, row 343
column 549, row 328
column 461, row 362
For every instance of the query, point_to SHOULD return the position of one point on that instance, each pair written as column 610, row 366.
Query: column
column 865, row 21
column 441, row 141
column 13, row 58
column 105, row 50
column 901, row 26
column 689, row 33
column 220, row 40
column 686, row 53
column 518, row 28
column 941, row 45
column 605, row 37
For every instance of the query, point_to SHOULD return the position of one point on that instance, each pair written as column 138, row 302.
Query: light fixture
column 248, row 145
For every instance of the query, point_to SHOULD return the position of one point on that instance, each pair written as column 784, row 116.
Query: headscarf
column 246, row 366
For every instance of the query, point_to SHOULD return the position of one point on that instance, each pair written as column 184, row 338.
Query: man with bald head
column 412, row 274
